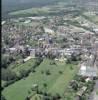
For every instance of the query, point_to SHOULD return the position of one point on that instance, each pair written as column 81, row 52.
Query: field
column 56, row 82
column 97, row 92
column 92, row 18
column 25, row 66
column 39, row 11
column 42, row 10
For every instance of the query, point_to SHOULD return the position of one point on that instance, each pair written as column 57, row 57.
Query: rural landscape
column 49, row 50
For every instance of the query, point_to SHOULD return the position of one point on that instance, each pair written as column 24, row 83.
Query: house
column 19, row 47
column 68, row 51
column 32, row 52
column 87, row 71
column 47, row 30
column 3, row 22
column 81, row 91
column 28, row 58
column 95, row 30
column 27, row 21
column 12, row 50
column 87, row 80
column 37, row 18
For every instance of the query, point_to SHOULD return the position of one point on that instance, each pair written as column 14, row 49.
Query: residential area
column 52, row 57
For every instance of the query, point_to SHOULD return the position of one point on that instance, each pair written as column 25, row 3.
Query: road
column 93, row 95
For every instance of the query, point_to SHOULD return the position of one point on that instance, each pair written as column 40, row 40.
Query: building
column 32, row 52
column 87, row 71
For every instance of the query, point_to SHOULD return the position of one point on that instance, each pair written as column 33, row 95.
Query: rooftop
column 88, row 71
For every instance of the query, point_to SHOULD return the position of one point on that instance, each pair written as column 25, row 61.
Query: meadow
column 57, row 81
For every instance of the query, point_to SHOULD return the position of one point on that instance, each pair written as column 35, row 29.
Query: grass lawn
column 91, row 18
column 24, row 66
column 31, row 11
column 2, row 82
column 56, row 82
column 97, row 92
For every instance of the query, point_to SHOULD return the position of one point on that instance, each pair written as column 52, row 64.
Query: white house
column 88, row 71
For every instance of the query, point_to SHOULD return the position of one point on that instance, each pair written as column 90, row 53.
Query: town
column 40, row 52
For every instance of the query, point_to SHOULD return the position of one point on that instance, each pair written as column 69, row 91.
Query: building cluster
column 51, row 36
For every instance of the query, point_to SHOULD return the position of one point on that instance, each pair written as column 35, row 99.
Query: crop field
column 19, row 90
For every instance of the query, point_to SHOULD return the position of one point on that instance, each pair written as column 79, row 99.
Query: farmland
column 53, row 81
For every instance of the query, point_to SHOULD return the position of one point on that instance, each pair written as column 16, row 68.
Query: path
column 93, row 95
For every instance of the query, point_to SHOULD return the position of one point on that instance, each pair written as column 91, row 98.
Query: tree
column 60, row 72
column 52, row 62
column 74, row 57
column 3, row 50
column 74, row 85
column 58, row 96
column 11, row 58
column 2, row 97
column 27, row 98
column 71, row 67
column 48, row 72
column 8, row 75
column 26, row 52
column 68, row 61
column 5, row 61
column 24, row 73
column 45, row 85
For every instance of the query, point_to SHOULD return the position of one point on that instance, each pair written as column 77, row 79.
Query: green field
column 31, row 11
column 24, row 66
column 38, row 10
column 91, row 18
column 2, row 83
column 97, row 92
column 56, row 82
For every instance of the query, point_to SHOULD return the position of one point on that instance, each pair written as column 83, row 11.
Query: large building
column 87, row 71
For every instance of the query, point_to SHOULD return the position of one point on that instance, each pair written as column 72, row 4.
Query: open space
column 53, row 81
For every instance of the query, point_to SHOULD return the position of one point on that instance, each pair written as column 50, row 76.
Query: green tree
column 7, row 74
column 2, row 97
column 5, row 61
column 23, row 73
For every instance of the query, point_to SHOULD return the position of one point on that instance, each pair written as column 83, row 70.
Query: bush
column 68, row 61
column 2, row 87
column 9, row 83
column 56, row 97
column 33, row 70
column 60, row 72
column 5, row 61
column 2, row 97
column 42, row 72
column 27, row 98
column 48, row 72
column 52, row 63
column 24, row 73
column 8, row 75
column 71, row 67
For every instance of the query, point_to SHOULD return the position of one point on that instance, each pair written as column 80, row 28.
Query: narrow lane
column 93, row 95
